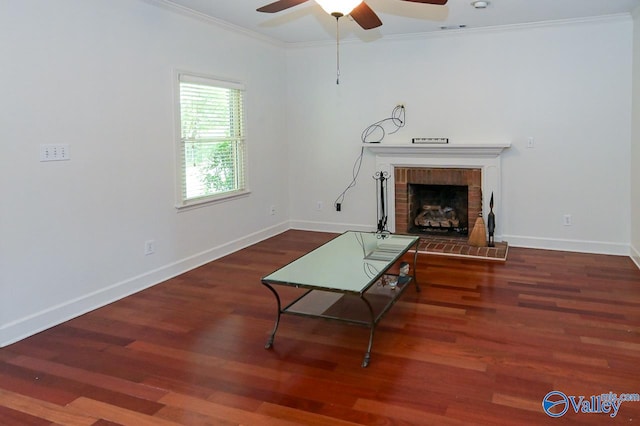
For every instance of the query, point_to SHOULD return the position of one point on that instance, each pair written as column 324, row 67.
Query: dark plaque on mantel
column 437, row 141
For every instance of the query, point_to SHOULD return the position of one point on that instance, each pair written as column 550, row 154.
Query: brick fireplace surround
column 435, row 176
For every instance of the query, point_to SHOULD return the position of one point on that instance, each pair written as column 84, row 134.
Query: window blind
column 212, row 139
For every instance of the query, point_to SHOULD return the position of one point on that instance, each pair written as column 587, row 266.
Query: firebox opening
column 438, row 209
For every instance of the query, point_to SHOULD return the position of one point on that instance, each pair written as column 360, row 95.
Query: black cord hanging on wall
column 397, row 120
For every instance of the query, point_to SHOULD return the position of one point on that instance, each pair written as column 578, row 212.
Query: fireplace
column 437, row 200
column 475, row 165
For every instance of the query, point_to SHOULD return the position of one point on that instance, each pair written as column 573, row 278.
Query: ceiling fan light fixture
column 338, row 8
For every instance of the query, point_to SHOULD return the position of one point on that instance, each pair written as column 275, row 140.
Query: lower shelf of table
column 350, row 307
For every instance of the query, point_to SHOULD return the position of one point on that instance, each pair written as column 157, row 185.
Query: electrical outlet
column 319, row 205
column 272, row 210
column 149, row 247
column 567, row 220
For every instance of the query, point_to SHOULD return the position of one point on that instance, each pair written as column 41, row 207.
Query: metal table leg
column 275, row 328
column 415, row 269
column 367, row 355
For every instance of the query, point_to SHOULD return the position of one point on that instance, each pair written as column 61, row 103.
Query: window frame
column 182, row 202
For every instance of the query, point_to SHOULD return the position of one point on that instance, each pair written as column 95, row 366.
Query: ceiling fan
column 358, row 9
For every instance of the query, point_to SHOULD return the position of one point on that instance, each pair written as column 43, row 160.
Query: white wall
column 568, row 86
column 99, row 77
column 635, row 143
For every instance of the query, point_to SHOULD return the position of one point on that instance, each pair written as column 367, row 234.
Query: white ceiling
column 309, row 23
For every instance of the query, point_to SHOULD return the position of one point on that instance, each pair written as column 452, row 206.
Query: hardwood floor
column 483, row 343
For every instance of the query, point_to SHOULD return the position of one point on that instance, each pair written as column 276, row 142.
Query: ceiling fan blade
column 280, row 5
column 365, row 17
column 439, row 2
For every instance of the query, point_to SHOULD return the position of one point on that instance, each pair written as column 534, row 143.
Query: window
column 211, row 152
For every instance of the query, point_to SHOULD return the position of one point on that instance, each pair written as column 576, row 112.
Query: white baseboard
column 635, row 253
column 582, row 246
column 54, row 315
column 305, row 225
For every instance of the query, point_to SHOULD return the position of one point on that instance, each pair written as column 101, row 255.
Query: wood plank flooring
column 483, row 343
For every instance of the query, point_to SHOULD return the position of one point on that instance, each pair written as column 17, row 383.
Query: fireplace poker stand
column 381, row 198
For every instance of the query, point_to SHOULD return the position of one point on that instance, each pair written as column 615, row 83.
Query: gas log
column 431, row 216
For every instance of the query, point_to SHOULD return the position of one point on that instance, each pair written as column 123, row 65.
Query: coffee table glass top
column 351, row 262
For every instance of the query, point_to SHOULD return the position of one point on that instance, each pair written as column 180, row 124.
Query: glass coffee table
column 347, row 279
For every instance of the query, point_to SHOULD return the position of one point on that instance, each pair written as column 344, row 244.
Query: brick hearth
column 456, row 246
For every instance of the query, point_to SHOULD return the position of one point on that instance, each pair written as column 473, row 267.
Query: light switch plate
column 54, row 152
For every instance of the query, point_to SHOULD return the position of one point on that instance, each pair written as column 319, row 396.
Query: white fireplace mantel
column 447, row 150
column 485, row 156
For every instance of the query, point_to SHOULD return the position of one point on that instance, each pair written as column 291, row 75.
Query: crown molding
column 190, row 13
column 469, row 31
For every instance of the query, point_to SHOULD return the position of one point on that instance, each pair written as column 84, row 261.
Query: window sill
column 207, row 201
